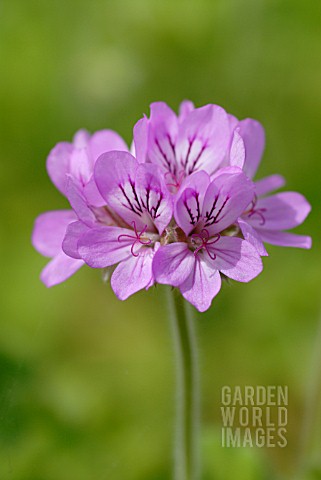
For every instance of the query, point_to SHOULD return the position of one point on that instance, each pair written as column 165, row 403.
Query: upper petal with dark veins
column 189, row 203
column 226, row 198
column 136, row 192
column 203, row 139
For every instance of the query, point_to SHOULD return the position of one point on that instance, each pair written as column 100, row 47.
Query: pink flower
column 184, row 212
column 197, row 139
column 203, row 243
column 70, row 161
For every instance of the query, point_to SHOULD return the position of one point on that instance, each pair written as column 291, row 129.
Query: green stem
column 186, row 464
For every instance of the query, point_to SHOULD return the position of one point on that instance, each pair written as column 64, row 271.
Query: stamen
column 256, row 211
column 254, row 202
column 259, row 213
column 204, row 236
column 137, row 238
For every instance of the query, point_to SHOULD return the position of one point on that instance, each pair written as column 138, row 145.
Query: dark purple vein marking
column 193, row 218
column 167, row 162
column 140, row 204
column 210, row 217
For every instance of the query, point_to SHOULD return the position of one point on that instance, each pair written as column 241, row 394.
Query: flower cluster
column 179, row 208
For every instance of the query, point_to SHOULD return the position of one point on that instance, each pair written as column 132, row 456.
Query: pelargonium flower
column 140, row 205
column 203, row 242
column 66, row 161
column 77, row 159
column 182, row 210
column 197, row 139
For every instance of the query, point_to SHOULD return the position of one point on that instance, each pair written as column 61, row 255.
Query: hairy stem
column 186, row 464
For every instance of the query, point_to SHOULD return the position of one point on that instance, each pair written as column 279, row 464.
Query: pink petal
column 173, row 263
column 81, row 139
column 226, row 170
column 92, row 194
column 237, row 150
column 185, row 108
column 73, row 233
column 136, row 192
column 81, row 167
column 58, row 165
column 198, row 181
column 162, row 135
column 79, row 203
column 253, row 135
column 141, row 139
column 233, row 121
column 49, row 231
column 252, row 236
column 101, row 247
column 236, row 258
column 285, row 239
column 269, row 184
column 113, row 169
column 133, row 274
column 154, row 196
column 202, row 285
column 59, row 269
column 188, row 206
column 203, row 139
column 105, row 141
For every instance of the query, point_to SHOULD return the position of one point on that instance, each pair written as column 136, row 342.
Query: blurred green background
column 87, row 382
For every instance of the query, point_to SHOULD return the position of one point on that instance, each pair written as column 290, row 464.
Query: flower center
column 137, row 238
column 174, row 181
column 200, row 241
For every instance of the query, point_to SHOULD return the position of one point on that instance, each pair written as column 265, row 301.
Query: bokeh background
column 87, row 382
